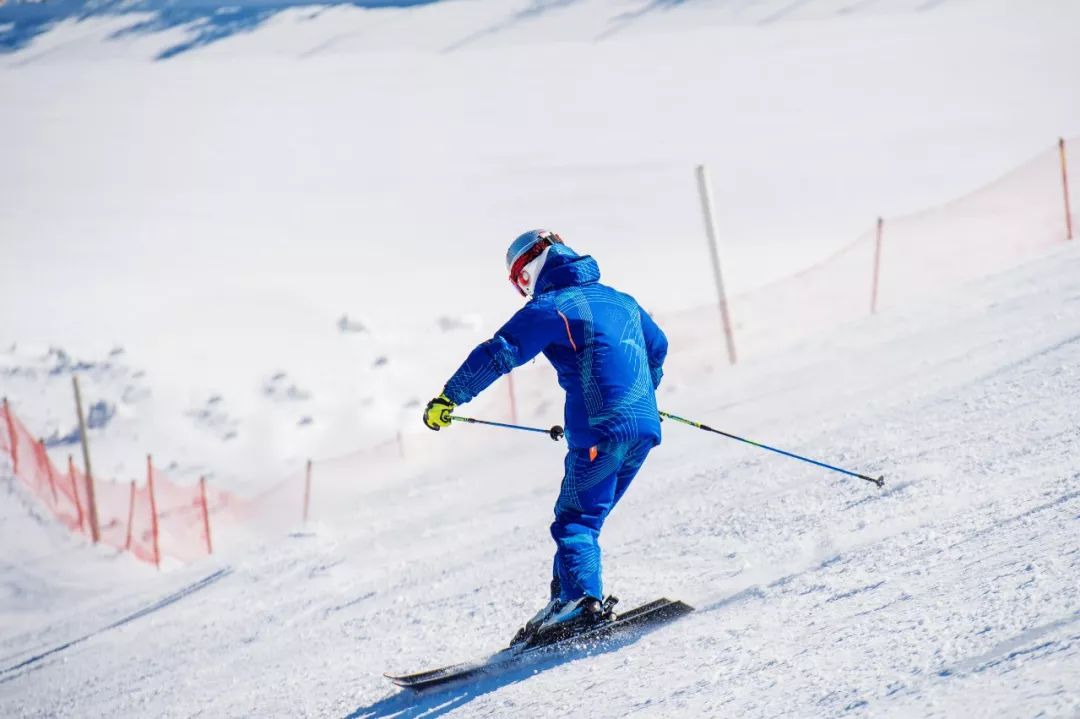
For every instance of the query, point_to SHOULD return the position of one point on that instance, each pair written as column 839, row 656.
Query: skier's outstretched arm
column 656, row 345
column 518, row 341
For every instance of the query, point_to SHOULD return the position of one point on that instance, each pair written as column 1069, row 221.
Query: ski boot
column 574, row 617
column 527, row 632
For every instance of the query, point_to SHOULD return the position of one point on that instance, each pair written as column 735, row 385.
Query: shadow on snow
column 206, row 21
column 438, row 701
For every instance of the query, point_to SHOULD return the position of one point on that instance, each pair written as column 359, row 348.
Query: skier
column 609, row 356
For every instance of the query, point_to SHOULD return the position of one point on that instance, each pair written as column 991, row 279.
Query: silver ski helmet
column 524, row 251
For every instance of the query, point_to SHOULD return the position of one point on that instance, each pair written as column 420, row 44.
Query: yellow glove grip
column 437, row 412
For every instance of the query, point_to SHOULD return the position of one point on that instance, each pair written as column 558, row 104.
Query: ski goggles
column 544, row 241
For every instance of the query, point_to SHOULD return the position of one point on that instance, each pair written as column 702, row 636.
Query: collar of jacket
column 566, row 268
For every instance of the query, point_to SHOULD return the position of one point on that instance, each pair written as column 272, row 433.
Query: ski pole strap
column 879, row 481
column 556, row 432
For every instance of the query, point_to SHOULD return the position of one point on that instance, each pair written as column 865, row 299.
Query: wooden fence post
column 513, row 399
column 95, row 531
column 307, row 491
column 705, row 191
column 205, row 515
column 153, row 509
column 877, row 266
column 1065, row 185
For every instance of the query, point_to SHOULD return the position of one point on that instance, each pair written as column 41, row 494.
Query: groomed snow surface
column 951, row 592
column 208, row 332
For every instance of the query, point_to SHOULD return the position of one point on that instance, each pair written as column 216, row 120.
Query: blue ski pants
column 595, row 480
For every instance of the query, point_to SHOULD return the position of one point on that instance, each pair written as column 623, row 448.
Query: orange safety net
column 32, row 468
column 182, row 526
column 157, row 520
column 899, row 262
column 903, row 260
column 5, row 434
column 115, row 503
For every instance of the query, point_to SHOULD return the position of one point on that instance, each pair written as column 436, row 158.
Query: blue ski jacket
column 607, row 351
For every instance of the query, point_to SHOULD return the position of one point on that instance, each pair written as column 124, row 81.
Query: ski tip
column 406, row 678
column 679, row 607
column 400, row 681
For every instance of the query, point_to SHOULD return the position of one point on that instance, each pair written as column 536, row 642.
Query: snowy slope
column 952, row 590
column 216, row 213
column 190, row 232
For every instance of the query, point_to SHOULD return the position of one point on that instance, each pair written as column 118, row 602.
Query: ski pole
column 880, row 481
column 556, row 432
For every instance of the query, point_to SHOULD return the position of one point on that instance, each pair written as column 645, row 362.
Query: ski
column 653, row 614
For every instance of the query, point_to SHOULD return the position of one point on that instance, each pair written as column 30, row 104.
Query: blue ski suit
column 609, row 355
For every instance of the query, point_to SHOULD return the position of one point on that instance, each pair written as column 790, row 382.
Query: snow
column 196, row 234
column 953, row 589
column 216, row 202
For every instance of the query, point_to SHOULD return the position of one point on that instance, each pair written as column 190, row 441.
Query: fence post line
column 91, row 501
column 75, row 490
column 43, row 456
column 877, row 266
column 153, row 509
column 1065, row 187
column 705, row 191
column 307, row 491
column 11, row 437
column 131, row 516
column 513, row 399
column 205, row 515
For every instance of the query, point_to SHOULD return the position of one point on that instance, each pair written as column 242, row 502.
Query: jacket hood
column 566, row 268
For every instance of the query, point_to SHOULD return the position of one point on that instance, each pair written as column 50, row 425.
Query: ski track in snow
column 156, row 606
column 817, row 595
column 953, row 591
